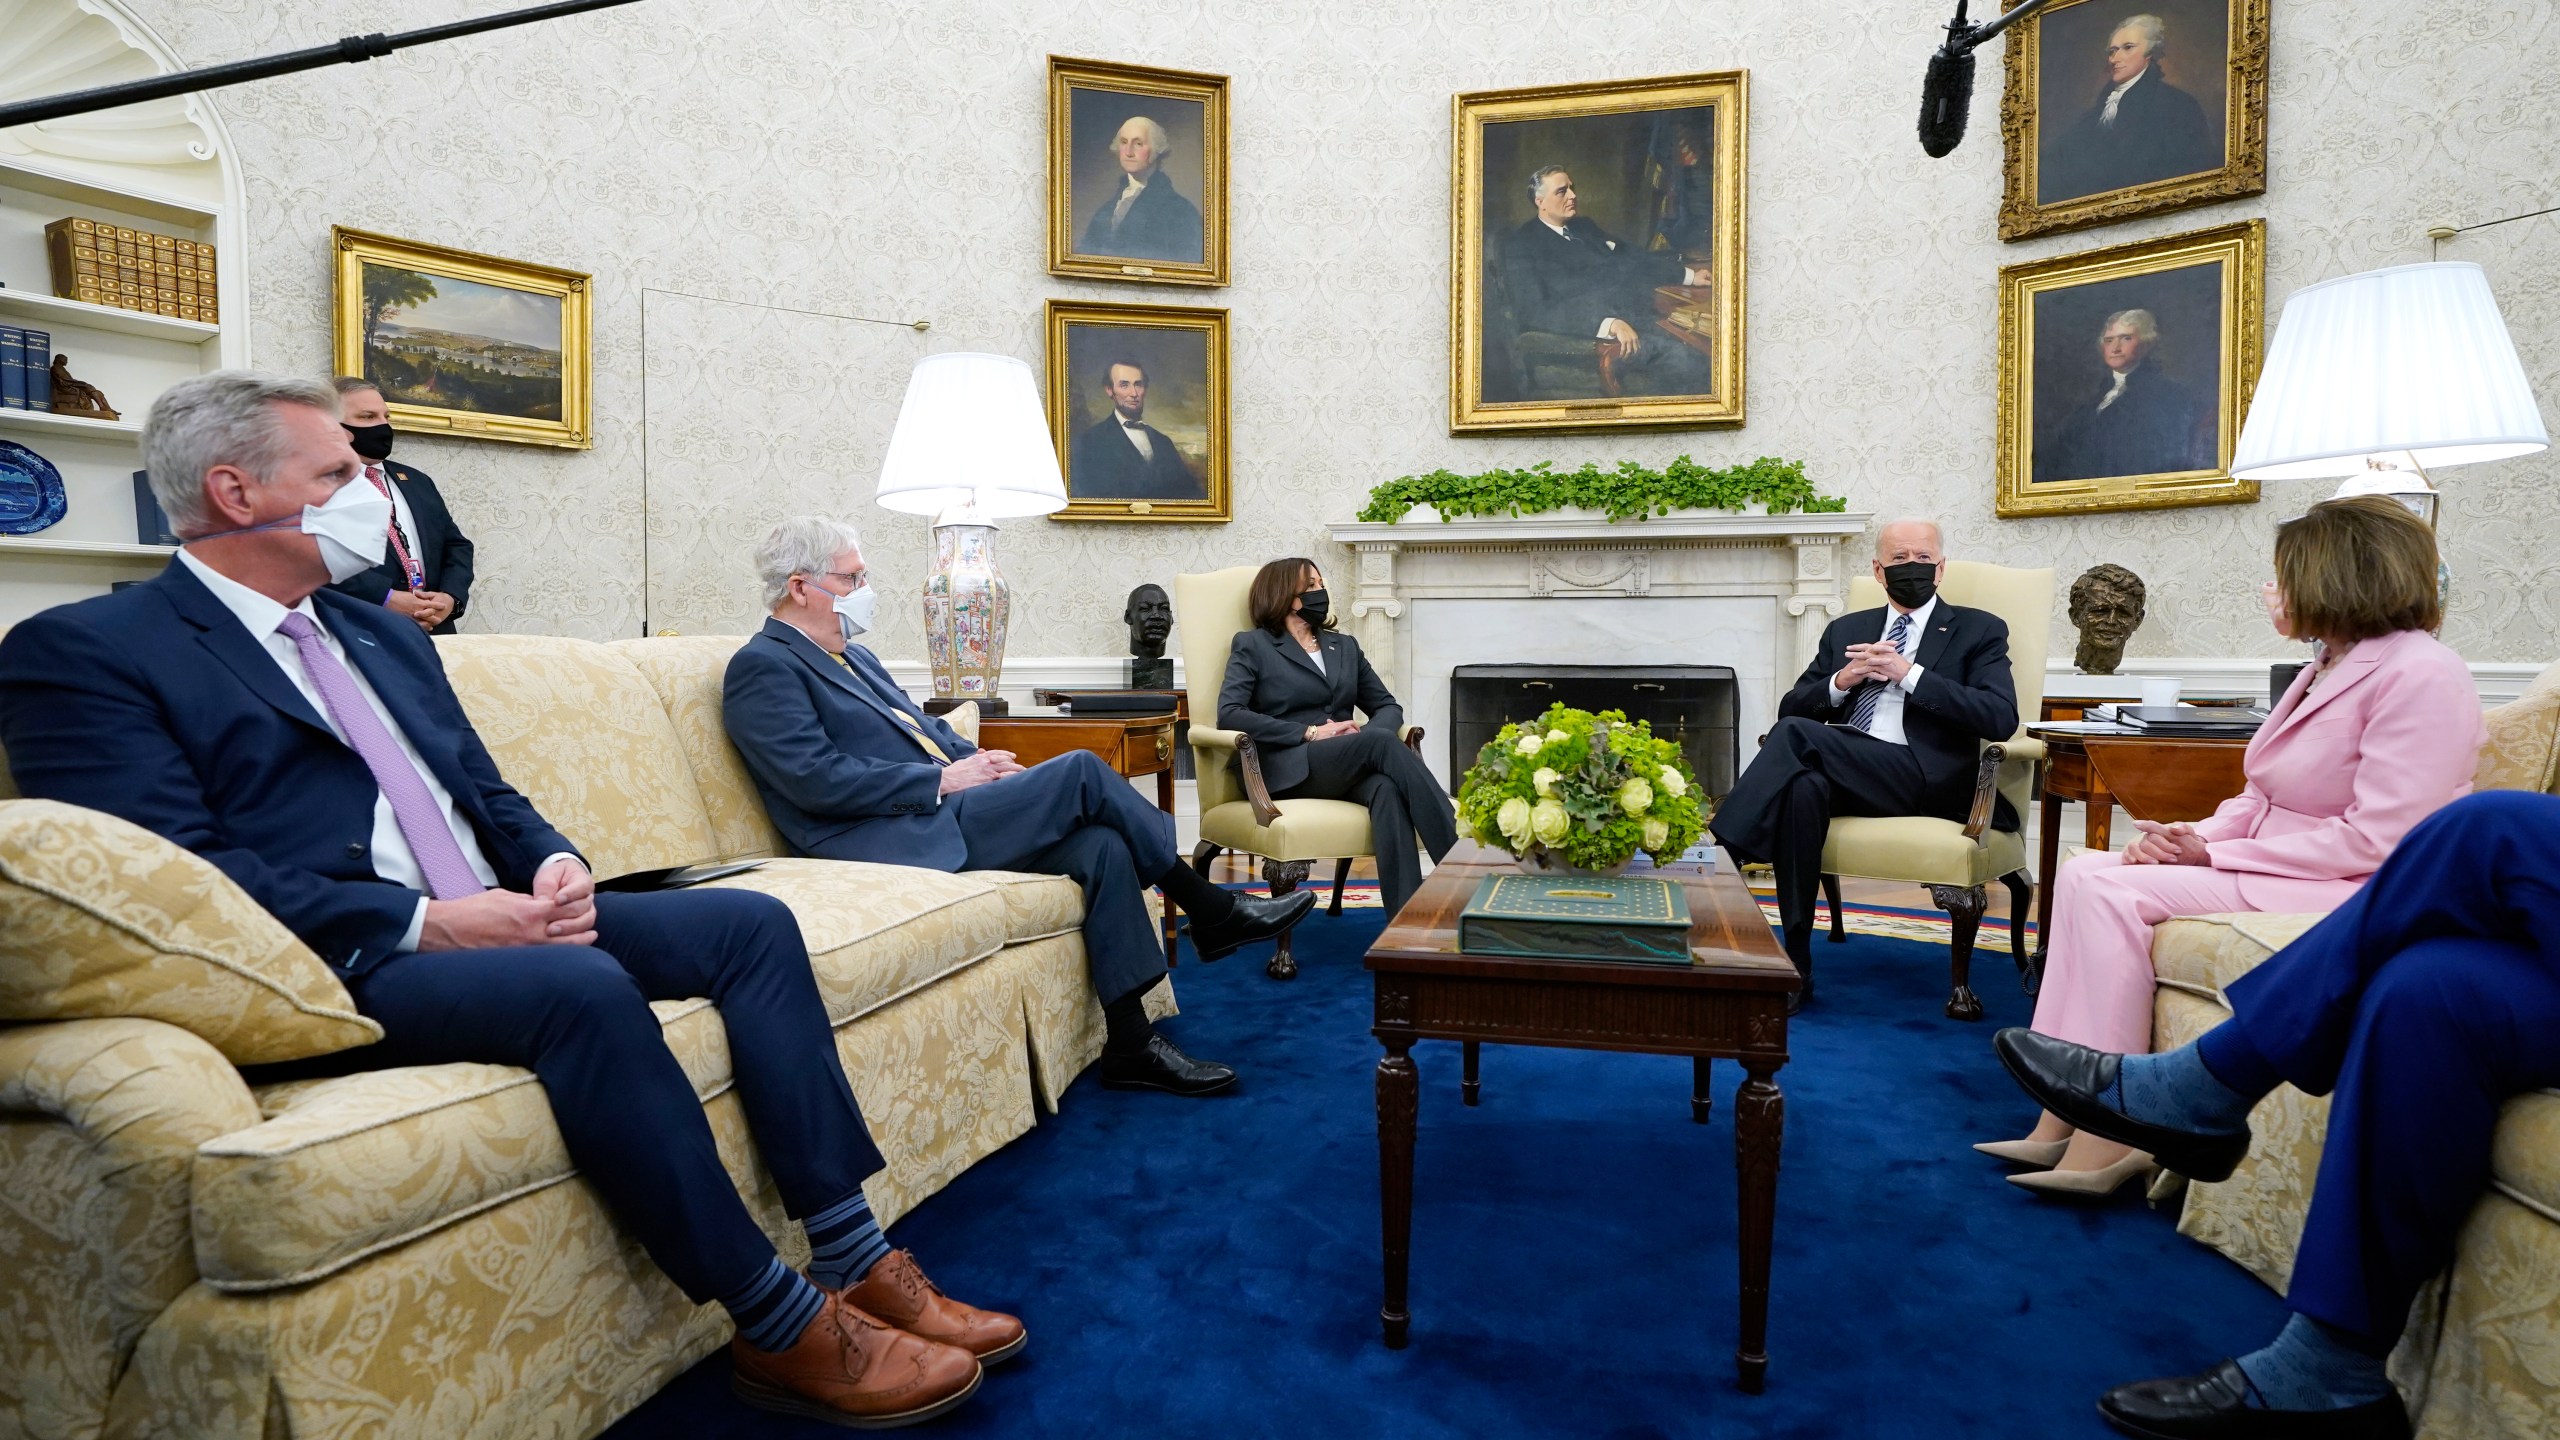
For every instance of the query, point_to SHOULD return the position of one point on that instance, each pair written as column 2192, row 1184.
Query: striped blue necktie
column 1870, row 696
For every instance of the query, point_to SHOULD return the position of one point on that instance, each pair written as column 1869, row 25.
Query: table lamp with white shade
column 972, row 447
column 2381, row 376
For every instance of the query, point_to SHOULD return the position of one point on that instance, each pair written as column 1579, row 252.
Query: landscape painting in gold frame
column 2124, row 373
column 2114, row 110
column 1138, row 410
column 466, row 344
column 1596, row 252
column 1137, row 173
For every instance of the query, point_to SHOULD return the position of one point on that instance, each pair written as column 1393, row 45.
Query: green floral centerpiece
column 1574, row 790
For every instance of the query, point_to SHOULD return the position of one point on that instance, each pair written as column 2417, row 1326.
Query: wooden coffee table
column 1730, row 1002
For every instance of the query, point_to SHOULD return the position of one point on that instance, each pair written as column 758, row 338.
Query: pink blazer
column 2338, row 774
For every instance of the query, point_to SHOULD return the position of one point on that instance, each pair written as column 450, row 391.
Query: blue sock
column 2314, row 1367
column 844, row 1242
column 772, row 1309
column 2178, row 1090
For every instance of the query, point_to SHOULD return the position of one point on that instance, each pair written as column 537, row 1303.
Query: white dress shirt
column 1135, row 436
column 392, row 858
column 1886, row 724
column 2107, row 117
column 2115, row 392
column 1129, row 194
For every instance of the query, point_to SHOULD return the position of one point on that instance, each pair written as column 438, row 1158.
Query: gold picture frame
column 2124, row 373
column 518, row 368
column 1171, row 463
column 1161, row 236
column 2202, row 93
column 1531, row 297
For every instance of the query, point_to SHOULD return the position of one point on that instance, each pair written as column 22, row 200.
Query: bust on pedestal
column 1149, row 616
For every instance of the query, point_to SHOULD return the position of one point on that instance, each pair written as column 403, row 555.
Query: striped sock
column 774, row 1308
column 844, row 1242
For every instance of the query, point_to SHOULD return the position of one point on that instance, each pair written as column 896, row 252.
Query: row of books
column 130, row 269
column 26, row 369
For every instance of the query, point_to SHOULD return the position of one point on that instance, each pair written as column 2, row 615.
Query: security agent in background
column 1887, row 720
column 426, row 571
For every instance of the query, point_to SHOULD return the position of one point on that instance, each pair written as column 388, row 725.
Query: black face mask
column 1312, row 605
column 373, row 442
column 1911, row 584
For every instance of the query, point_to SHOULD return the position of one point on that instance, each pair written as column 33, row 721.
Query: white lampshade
column 2385, row 368
column 972, row 431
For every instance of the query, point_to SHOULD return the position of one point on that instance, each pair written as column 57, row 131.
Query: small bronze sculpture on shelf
column 1149, row 615
column 2107, row 606
column 78, row 397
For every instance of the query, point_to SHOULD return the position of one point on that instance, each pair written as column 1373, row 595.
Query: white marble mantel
column 1751, row 591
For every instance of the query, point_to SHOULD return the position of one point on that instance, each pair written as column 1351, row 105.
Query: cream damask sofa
column 409, row 1253
column 2481, row 1357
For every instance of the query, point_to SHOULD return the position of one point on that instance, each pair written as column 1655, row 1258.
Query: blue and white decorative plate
column 31, row 495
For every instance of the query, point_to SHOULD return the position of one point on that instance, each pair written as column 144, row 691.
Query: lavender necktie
column 1870, row 695
column 449, row 876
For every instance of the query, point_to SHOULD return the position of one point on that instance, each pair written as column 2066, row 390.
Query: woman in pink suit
column 2370, row 740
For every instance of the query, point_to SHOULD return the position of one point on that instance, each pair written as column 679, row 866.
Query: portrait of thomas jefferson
column 2137, row 126
column 2132, row 418
column 1121, row 456
column 1142, row 217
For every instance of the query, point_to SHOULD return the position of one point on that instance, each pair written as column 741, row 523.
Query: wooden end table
column 1134, row 745
column 1730, row 1002
column 2158, row 778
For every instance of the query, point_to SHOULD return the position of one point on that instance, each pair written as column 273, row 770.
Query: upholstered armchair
column 1957, row 862
column 1236, row 809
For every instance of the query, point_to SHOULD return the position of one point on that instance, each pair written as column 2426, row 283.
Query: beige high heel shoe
column 2041, row 1154
column 2088, row 1184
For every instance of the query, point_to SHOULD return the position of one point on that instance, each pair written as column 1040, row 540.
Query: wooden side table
column 2154, row 777
column 1133, row 745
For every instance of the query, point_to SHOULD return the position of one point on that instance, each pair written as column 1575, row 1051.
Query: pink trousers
column 2097, row 976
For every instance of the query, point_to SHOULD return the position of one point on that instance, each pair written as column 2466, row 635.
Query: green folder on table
column 1577, row 917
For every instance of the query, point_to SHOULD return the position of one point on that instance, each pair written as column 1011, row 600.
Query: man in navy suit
column 427, row 575
column 851, row 770
column 1889, row 719
column 2420, row 1008
column 308, row 745
column 1566, row 275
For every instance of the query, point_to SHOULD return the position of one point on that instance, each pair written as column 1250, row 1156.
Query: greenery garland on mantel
column 1629, row 492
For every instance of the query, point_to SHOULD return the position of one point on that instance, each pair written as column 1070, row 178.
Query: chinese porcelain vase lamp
column 972, row 447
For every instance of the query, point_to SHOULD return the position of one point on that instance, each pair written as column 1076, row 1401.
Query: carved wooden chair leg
column 2022, row 894
column 1964, row 905
column 1204, row 855
column 1831, row 892
column 1468, row 1086
column 1341, row 873
column 1283, row 876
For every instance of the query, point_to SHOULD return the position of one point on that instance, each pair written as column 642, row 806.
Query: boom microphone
column 1946, row 93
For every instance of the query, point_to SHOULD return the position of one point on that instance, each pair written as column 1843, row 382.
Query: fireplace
column 1694, row 706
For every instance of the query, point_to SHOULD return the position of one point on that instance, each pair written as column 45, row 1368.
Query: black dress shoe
column 2071, row 1081
column 1256, row 917
column 2215, row 1406
column 1161, row 1065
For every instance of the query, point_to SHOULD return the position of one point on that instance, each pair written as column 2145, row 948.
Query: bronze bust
column 2107, row 606
column 1149, row 616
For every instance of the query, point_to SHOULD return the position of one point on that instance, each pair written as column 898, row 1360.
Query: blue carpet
column 1209, row 1268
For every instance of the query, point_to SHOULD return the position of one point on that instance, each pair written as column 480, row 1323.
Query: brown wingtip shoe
column 849, row 1369
column 897, row 1291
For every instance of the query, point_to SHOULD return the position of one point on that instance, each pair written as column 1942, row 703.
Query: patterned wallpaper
column 886, row 159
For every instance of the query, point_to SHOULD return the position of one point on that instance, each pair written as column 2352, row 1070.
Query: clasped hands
column 2177, row 844
column 1330, row 729
column 977, row 768
column 560, row 911
column 430, row 608
column 1878, row 661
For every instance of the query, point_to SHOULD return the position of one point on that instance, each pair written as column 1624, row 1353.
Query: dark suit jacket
column 1103, row 465
column 155, row 704
column 1160, row 225
column 1273, row 693
column 443, row 551
column 2159, row 132
column 2157, row 425
column 1965, row 696
column 839, row 776
column 1567, row 287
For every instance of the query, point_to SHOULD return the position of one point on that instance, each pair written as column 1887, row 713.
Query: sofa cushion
column 351, row 1166
column 1039, row 906
column 687, row 672
column 2525, row 1157
column 100, row 917
column 2523, row 750
column 2202, row 953
column 573, row 726
column 876, row 932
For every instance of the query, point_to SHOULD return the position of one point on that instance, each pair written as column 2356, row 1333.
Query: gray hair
column 1157, row 139
column 1937, row 536
column 347, row 385
column 225, row 417
column 1538, row 180
column 2153, row 31
column 801, row 545
column 2145, row 329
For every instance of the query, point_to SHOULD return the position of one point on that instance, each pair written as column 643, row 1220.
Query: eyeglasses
column 856, row 578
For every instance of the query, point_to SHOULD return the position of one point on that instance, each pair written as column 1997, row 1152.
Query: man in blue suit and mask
column 850, row 770
column 307, row 745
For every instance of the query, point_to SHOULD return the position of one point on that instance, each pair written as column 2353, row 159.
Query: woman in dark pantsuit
column 1292, row 683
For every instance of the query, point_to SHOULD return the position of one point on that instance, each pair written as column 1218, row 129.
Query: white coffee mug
column 2160, row 692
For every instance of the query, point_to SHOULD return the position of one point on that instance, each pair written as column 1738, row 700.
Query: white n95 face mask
column 353, row 527
column 856, row 611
